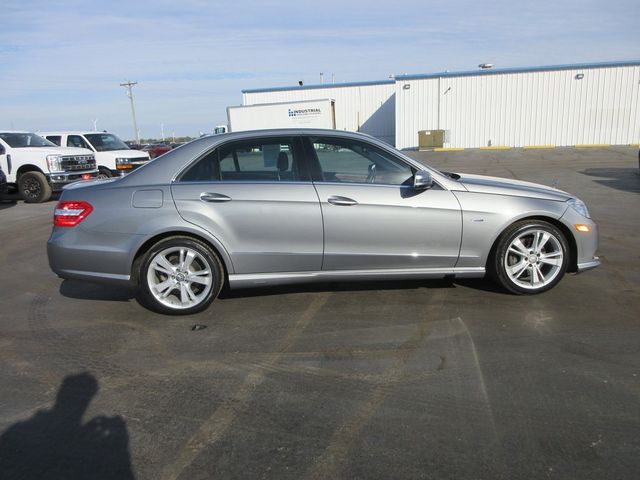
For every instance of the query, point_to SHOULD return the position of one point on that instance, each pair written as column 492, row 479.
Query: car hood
column 54, row 151
column 505, row 186
column 123, row 154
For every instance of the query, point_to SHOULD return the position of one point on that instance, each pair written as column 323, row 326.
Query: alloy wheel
column 534, row 259
column 179, row 277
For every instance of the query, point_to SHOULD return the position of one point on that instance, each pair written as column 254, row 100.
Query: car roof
column 70, row 132
column 292, row 131
column 164, row 168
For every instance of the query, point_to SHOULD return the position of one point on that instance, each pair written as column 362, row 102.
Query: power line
column 129, row 86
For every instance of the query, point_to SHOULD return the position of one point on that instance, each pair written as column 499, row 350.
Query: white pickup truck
column 113, row 157
column 38, row 167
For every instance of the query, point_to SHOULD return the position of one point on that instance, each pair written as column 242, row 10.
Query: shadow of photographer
column 56, row 444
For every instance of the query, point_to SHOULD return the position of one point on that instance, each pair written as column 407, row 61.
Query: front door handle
column 214, row 197
column 345, row 201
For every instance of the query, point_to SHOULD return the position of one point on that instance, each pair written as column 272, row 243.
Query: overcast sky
column 61, row 62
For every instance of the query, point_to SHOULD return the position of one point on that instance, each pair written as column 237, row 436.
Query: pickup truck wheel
column 179, row 276
column 104, row 173
column 34, row 188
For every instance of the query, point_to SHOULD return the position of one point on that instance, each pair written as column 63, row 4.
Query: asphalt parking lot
column 365, row 380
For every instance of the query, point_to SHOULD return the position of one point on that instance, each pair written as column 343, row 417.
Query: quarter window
column 352, row 161
column 259, row 160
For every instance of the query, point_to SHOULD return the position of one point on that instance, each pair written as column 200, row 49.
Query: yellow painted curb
column 448, row 149
column 592, row 145
column 530, row 147
column 496, row 147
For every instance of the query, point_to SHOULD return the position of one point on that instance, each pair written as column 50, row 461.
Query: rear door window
column 255, row 160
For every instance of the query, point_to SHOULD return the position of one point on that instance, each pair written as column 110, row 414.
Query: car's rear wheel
column 34, row 188
column 531, row 257
column 180, row 276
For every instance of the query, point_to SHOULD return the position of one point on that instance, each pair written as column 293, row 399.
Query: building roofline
column 497, row 71
column 323, row 85
column 445, row 74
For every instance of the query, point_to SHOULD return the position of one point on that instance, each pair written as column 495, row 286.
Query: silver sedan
column 289, row 206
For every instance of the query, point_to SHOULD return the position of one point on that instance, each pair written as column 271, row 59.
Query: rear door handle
column 214, row 197
column 345, row 201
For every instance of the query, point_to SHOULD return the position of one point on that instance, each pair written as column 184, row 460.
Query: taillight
column 71, row 213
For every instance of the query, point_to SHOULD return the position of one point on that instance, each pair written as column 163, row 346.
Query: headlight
column 579, row 206
column 123, row 164
column 54, row 163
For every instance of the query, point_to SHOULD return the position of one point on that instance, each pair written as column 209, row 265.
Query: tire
column 520, row 266
column 168, row 279
column 34, row 188
column 104, row 173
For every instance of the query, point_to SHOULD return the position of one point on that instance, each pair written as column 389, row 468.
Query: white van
column 113, row 156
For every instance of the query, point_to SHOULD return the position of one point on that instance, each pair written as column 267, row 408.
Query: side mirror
column 422, row 180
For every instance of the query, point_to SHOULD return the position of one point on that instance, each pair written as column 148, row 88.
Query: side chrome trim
column 244, row 280
column 583, row 267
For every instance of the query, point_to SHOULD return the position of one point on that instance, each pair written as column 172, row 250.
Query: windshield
column 106, row 142
column 24, row 140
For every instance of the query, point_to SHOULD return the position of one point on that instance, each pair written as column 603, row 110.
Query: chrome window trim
column 241, row 182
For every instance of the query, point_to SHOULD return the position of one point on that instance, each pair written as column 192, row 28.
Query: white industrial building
column 562, row 105
column 367, row 107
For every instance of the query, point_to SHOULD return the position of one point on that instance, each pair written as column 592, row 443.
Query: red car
column 156, row 149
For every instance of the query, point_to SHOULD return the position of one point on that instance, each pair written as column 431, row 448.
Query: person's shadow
column 55, row 444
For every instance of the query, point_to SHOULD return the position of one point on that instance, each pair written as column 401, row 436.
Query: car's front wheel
column 531, row 257
column 104, row 173
column 179, row 276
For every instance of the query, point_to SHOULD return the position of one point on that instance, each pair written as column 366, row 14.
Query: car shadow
column 482, row 284
column 82, row 290
column 625, row 179
column 95, row 291
column 265, row 291
column 57, row 443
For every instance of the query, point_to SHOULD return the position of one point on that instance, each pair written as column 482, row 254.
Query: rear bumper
column 78, row 254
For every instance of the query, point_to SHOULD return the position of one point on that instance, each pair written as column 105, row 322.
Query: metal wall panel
column 359, row 108
column 523, row 108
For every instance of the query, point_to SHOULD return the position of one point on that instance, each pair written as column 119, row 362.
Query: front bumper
column 586, row 242
column 59, row 180
column 583, row 267
column 123, row 169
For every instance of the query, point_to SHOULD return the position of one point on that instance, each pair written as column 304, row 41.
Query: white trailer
column 305, row 114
